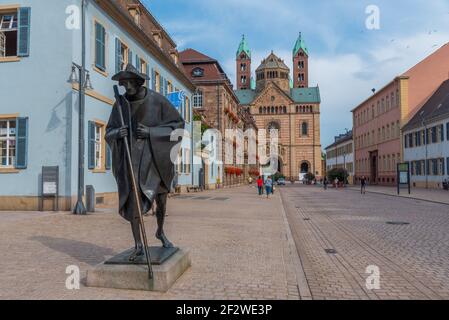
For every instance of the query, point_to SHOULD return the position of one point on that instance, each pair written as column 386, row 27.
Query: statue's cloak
column 157, row 113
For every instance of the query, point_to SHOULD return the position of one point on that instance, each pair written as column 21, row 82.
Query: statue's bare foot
column 165, row 242
column 136, row 253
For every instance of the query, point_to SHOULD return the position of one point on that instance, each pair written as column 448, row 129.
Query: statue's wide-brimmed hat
column 129, row 73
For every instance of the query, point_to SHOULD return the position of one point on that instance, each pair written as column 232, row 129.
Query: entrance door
column 374, row 166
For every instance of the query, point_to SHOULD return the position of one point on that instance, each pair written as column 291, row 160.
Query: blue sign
column 177, row 99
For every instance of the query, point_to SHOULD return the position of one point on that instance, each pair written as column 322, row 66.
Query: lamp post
column 423, row 122
column 84, row 83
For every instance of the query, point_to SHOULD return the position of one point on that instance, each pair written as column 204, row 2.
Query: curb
column 404, row 197
column 301, row 279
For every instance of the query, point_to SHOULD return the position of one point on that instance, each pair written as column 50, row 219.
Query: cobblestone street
column 413, row 258
column 237, row 244
column 246, row 247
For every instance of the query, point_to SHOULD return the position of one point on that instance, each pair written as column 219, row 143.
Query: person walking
column 325, row 182
column 268, row 186
column 260, row 185
column 363, row 185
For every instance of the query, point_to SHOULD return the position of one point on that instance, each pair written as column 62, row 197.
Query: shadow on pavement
column 81, row 251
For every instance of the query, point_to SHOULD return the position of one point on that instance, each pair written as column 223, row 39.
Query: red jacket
column 259, row 182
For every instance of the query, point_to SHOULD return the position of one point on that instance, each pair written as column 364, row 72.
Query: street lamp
column 423, row 123
column 84, row 83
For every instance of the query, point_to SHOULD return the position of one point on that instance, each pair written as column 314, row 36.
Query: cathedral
column 279, row 100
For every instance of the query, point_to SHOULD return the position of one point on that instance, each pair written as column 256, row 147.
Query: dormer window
column 174, row 56
column 158, row 38
column 135, row 13
column 198, row 72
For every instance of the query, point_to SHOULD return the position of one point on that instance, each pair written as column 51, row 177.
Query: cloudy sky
column 347, row 60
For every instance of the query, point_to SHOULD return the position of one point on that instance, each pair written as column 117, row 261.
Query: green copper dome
column 300, row 44
column 243, row 47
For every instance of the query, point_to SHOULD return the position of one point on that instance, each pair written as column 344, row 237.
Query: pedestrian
column 268, row 186
column 363, row 185
column 336, row 183
column 325, row 182
column 260, row 185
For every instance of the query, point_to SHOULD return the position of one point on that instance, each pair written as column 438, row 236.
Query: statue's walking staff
column 118, row 97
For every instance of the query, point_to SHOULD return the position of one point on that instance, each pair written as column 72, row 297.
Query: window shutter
column 108, row 163
column 91, row 144
column 153, row 78
column 148, row 75
column 161, row 85
column 138, row 66
column 165, row 87
column 442, row 132
column 130, row 57
column 118, row 59
column 23, row 38
column 21, row 143
column 100, row 46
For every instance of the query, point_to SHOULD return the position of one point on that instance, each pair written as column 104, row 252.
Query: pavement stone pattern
column 237, row 245
column 413, row 259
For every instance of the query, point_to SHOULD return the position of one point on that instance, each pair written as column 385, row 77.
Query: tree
column 338, row 173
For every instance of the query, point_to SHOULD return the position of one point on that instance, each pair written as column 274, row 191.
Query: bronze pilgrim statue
column 142, row 122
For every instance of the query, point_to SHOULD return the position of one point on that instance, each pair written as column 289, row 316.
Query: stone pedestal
column 117, row 275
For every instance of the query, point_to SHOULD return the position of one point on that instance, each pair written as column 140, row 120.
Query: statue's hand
column 142, row 132
column 122, row 132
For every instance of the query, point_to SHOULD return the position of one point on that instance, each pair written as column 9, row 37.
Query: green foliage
column 309, row 176
column 278, row 176
column 337, row 173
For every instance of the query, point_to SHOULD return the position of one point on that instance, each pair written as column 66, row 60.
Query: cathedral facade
column 279, row 100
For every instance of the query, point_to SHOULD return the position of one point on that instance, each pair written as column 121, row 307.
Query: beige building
column 292, row 107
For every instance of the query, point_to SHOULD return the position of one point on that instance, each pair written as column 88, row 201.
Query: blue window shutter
column 91, row 146
column 442, row 132
column 23, row 38
column 161, row 85
column 138, row 66
column 118, row 51
column 108, row 163
column 153, row 78
column 130, row 57
column 165, row 87
column 148, row 75
column 21, row 143
column 100, row 40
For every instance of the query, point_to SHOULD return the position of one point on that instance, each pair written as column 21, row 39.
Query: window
column 198, row 99
column 304, row 129
column 15, row 32
column 99, row 153
column 98, row 146
column 100, row 47
column 243, row 67
column 198, row 72
column 122, row 55
column 434, row 134
column 7, row 143
column 157, row 78
column 187, row 109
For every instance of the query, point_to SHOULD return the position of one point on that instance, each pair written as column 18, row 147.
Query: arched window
column 272, row 109
column 260, row 110
column 265, row 110
column 285, row 109
column 277, row 110
column 274, row 125
column 304, row 129
column 198, row 99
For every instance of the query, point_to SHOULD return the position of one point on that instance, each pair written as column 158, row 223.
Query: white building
column 340, row 154
column 426, row 141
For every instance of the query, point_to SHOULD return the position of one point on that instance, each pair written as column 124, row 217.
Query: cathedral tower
column 243, row 63
column 300, row 64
